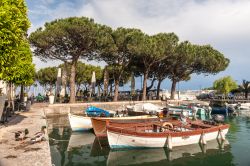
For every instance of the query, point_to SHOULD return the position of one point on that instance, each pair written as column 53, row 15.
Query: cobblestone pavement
column 16, row 153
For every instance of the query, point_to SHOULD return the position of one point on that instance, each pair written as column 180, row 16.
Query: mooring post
column 221, row 135
column 170, row 146
column 203, row 139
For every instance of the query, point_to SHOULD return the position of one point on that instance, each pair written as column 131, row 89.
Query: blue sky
column 222, row 23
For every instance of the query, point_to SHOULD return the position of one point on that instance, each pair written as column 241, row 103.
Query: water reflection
column 162, row 155
column 84, row 148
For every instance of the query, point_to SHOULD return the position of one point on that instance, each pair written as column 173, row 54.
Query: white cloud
column 222, row 23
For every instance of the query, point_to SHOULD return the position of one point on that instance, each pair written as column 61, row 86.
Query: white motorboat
column 79, row 123
column 143, row 108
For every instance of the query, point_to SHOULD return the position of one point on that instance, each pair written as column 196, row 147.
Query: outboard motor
column 218, row 118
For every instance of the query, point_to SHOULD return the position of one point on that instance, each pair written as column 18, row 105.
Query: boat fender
column 167, row 124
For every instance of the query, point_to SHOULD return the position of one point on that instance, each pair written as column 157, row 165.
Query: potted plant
column 25, row 99
column 51, row 98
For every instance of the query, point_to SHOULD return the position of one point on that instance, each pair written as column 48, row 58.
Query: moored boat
column 187, row 110
column 99, row 123
column 143, row 109
column 169, row 135
column 79, row 123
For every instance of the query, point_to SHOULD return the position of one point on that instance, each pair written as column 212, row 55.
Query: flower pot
column 25, row 99
column 51, row 99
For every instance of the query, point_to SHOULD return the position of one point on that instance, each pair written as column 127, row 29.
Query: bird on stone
column 39, row 136
column 20, row 135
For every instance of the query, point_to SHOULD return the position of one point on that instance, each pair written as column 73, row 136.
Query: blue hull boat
column 95, row 111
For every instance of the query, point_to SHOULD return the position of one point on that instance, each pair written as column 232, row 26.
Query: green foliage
column 124, row 50
column 65, row 39
column 115, row 52
column 245, row 88
column 150, row 51
column 16, row 57
column 224, row 85
column 84, row 74
column 47, row 76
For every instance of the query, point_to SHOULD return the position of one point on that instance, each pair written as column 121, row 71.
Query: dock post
column 170, row 146
column 220, row 135
column 203, row 139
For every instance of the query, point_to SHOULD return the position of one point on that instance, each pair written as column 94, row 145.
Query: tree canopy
column 245, row 88
column 16, row 57
column 125, row 50
column 47, row 77
column 224, row 85
column 190, row 59
column 116, row 54
column 150, row 50
column 67, row 40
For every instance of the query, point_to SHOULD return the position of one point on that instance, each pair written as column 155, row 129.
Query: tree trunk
column 64, row 81
column 144, row 91
column 105, row 82
column 132, row 84
column 98, row 90
column 72, row 82
column 10, row 96
column 158, row 89
column 246, row 95
column 22, row 93
column 173, row 89
column 111, row 89
column 151, row 86
column 116, row 93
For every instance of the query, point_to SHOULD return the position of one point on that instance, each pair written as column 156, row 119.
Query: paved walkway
column 14, row 153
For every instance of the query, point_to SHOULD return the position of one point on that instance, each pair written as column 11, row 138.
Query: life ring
column 167, row 124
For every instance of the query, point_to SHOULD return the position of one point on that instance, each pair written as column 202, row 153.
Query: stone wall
column 78, row 108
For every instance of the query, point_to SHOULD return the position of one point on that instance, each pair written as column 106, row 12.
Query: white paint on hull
column 117, row 140
column 79, row 123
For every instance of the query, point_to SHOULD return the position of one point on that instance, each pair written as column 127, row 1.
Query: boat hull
column 79, row 123
column 120, row 140
column 99, row 124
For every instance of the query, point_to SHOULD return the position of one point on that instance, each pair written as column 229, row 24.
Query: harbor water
column 83, row 148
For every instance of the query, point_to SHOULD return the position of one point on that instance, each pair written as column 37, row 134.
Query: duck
column 39, row 136
column 20, row 135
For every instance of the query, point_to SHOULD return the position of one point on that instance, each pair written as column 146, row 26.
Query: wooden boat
column 173, row 134
column 79, row 123
column 99, row 123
